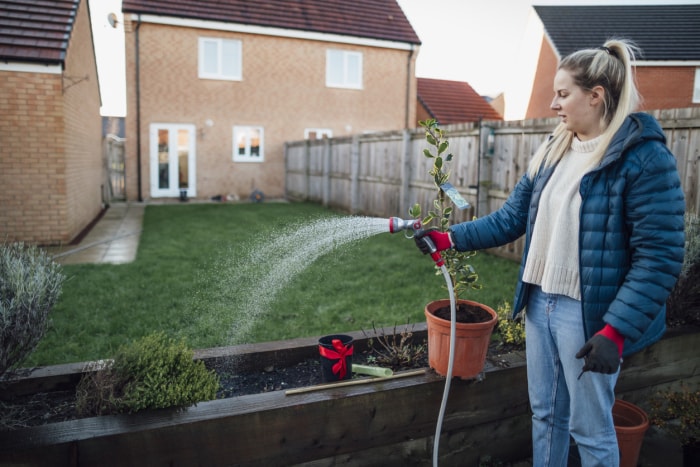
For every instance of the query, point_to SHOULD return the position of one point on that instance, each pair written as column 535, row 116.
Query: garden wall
column 386, row 422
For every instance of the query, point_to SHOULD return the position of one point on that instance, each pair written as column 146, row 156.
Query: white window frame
column 696, row 87
column 319, row 132
column 339, row 62
column 245, row 132
column 233, row 45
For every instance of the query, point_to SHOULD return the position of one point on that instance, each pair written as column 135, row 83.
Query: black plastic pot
column 336, row 357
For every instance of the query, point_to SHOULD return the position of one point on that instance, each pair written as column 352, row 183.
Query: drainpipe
column 138, row 110
column 408, row 87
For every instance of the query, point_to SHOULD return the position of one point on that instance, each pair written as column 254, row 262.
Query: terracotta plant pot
column 631, row 423
column 471, row 343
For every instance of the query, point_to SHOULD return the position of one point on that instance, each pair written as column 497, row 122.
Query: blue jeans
column 563, row 405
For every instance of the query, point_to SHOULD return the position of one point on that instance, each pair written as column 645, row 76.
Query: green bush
column 151, row 373
column 511, row 331
column 30, row 284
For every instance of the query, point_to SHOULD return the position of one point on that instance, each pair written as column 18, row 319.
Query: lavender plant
column 30, row 285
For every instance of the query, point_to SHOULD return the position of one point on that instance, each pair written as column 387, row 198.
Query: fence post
column 326, row 181
column 355, row 174
column 307, row 169
column 405, row 188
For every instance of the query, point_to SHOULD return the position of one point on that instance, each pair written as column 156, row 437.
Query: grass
column 193, row 270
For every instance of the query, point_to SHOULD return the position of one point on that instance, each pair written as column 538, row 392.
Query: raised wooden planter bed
column 385, row 422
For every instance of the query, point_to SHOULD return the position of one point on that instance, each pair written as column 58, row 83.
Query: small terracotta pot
column 631, row 423
column 471, row 341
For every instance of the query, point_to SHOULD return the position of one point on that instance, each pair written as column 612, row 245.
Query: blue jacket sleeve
column 502, row 226
column 654, row 207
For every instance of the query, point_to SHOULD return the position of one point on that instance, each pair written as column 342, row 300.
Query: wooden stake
column 352, row 382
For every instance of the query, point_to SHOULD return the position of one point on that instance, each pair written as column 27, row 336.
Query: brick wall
column 83, row 155
column 283, row 90
column 661, row 87
column 48, row 147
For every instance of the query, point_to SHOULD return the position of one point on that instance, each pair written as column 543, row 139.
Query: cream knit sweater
column 553, row 258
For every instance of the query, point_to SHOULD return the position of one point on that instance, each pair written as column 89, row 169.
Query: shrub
column 151, row 373
column 396, row 350
column 30, row 284
column 678, row 413
column 683, row 305
column 511, row 331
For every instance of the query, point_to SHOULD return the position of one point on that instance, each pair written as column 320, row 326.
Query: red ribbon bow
column 340, row 368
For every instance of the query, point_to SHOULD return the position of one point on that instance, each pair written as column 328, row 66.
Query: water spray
column 397, row 225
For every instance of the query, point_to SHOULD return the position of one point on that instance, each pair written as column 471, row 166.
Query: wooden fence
column 383, row 174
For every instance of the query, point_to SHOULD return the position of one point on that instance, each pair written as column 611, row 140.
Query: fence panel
column 383, row 174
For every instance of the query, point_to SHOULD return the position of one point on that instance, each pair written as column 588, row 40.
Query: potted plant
column 475, row 321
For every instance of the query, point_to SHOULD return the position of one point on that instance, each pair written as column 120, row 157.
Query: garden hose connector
column 397, row 224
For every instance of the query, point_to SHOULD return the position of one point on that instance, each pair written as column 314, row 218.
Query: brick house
column 668, row 71
column 451, row 102
column 51, row 175
column 215, row 88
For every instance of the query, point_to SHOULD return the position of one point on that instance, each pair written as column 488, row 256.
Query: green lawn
column 194, row 277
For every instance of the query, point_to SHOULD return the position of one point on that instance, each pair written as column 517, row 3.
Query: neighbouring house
column 668, row 70
column 216, row 87
column 451, row 102
column 51, row 171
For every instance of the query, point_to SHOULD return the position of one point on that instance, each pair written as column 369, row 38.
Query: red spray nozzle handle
column 434, row 253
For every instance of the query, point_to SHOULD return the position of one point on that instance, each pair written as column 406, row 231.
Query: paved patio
column 113, row 239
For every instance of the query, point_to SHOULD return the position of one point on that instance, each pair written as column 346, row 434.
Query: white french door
column 173, row 160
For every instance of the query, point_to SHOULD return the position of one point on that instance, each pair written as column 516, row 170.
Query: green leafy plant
column 30, row 285
column 511, row 331
column 150, row 373
column 461, row 272
column 395, row 350
column 678, row 413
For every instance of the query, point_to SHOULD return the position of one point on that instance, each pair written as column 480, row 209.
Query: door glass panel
column 183, row 155
column 163, row 160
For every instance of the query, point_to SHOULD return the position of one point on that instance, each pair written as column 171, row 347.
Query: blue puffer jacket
column 631, row 238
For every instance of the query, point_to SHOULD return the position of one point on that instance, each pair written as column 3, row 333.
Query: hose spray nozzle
column 397, row 224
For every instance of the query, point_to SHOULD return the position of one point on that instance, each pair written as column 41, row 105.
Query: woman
column 602, row 210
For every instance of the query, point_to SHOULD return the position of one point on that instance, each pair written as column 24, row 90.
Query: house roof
column 375, row 19
column 663, row 32
column 453, row 101
column 36, row 31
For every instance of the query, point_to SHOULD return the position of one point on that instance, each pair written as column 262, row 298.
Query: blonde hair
column 609, row 66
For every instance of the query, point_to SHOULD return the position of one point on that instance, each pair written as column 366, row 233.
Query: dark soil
column 58, row 406
column 464, row 313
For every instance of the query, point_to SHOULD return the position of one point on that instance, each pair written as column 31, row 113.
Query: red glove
column 613, row 334
column 441, row 240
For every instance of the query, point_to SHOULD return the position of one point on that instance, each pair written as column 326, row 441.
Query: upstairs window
column 343, row 69
column 220, row 59
column 696, row 88
column 248, row 144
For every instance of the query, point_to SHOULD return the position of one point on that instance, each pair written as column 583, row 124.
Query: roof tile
column 663, row 32
column 375, row 19
column 36, row 30
column 454, row 102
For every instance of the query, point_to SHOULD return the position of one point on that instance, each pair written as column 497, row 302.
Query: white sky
column 490, row 44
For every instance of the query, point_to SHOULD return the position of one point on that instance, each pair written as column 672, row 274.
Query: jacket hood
column 637, row 128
